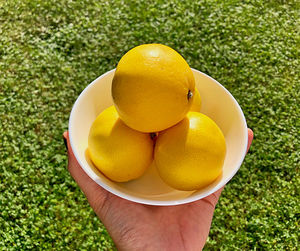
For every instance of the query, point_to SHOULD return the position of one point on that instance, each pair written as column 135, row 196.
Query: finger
column 213, row 198
column 250, row 138
column 95, row 194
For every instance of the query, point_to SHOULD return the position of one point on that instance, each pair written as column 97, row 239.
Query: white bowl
column 217, row 103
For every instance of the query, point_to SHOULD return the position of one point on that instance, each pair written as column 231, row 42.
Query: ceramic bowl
column 217, row 103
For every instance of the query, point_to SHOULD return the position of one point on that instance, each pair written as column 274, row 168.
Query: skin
column 134, row 226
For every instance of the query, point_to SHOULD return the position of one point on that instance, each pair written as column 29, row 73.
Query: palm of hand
column 135, row 226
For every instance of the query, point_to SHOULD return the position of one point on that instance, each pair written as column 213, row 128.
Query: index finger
column 95, row 194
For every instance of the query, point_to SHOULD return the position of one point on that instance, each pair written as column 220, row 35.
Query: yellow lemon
column 190, row 155
column 196, row 105
column 119, row 152
column 152, row 88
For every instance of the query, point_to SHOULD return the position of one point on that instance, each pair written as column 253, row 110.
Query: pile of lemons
column 156, row 117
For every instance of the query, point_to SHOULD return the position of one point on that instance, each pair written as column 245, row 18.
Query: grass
column 49, row 52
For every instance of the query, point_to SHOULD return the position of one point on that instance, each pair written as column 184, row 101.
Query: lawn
column 51, row 50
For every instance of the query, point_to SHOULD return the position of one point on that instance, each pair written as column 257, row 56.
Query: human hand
column 134, row 226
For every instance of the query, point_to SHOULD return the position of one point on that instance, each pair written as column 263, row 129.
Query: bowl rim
column 132, row 198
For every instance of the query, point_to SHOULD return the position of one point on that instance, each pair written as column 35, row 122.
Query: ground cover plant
column 49, row 52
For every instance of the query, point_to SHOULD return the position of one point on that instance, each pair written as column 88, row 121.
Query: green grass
column 49, row 52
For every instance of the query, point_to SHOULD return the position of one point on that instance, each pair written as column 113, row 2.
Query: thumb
column 213, row 198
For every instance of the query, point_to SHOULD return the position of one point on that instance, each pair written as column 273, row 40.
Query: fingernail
column 66, row 143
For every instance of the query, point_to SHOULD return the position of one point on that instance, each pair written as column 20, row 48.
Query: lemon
column 196, row 105
column 190, row 155
column 119, row 152
column 152, row 88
